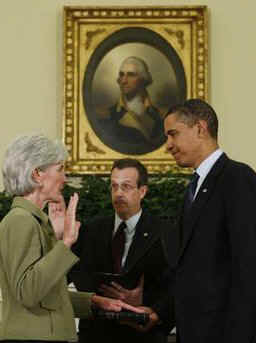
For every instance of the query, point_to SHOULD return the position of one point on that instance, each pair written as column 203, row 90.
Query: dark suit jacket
column 215, row 291
column 146, row 255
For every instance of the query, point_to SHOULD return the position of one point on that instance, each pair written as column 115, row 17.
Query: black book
column 136, row 318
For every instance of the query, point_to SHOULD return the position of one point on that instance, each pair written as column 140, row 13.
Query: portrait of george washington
column 128, row 86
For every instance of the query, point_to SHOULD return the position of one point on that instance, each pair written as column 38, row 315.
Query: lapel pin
column 204, row 190
column 145, row 234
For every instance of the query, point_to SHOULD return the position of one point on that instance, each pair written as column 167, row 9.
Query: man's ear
column 143, row 191
column 202, row 128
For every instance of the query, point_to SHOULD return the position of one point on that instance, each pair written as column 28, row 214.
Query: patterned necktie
column 118, row 243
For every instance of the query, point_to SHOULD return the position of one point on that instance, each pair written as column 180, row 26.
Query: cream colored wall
column 31, row 68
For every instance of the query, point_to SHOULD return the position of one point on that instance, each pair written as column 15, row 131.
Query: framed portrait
column 123, row 68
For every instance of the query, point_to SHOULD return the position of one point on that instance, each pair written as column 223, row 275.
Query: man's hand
column 130, row 296
column 109, row 304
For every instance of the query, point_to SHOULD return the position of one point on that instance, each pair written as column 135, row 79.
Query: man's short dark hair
column 193, row 110
column 133, row 163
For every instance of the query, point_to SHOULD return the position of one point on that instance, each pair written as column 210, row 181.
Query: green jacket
column 33, row 265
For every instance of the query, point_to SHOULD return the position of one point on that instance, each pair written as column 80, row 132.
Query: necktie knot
column 118, row 244
column 121, row 227
column 193, row 183
column 192, row 189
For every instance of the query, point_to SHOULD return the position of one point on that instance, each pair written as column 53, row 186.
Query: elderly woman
column 35, row 255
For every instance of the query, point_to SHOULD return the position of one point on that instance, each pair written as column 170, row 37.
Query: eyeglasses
column 125, row 187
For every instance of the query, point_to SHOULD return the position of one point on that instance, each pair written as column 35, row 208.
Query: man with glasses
column 143, row 260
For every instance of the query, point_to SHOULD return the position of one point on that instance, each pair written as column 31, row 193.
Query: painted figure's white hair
column 141, row 67
column 23, row 156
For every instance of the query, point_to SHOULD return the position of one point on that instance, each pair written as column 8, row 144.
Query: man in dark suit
column 215, row 282
column 143, row 260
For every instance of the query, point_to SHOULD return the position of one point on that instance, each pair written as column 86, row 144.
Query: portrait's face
column 52, row 181
column 126, row 195
column 183, row 141
column 129, row 80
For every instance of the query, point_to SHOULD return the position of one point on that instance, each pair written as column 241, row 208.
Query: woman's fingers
column 72, row 226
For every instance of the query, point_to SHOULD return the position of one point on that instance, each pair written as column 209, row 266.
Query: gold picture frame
column 173, row 43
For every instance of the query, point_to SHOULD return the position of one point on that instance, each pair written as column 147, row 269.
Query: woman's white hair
column 23, row 156
column 141, row 67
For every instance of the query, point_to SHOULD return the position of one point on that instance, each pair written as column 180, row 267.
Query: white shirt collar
column 130, row 223
column 204, row 168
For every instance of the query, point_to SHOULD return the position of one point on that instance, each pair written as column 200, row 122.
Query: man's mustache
column 120, row 201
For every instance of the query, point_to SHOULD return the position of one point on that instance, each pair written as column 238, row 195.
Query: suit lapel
column 204, row 193
column 144, row 237
column 105, row 244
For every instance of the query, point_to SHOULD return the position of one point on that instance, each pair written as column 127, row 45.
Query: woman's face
column 52, row 181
